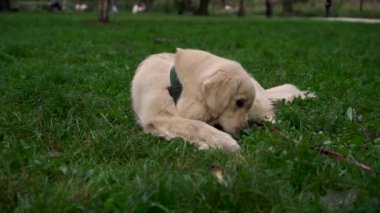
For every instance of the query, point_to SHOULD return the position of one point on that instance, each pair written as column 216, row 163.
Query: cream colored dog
column 213, row 98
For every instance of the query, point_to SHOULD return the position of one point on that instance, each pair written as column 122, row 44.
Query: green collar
column 175, row 88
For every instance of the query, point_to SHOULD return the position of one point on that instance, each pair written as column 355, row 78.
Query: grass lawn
column 69, row 142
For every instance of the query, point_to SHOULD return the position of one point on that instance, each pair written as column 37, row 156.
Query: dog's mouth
column 219, row 127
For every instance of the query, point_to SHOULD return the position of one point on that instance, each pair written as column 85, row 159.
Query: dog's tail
column 287, row 92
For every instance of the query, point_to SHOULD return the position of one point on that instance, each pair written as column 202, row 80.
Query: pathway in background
column 347, row 19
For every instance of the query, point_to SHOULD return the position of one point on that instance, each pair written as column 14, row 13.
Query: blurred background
column 269, row 8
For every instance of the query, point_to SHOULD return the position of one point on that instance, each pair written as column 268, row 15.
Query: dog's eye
column 240, row 103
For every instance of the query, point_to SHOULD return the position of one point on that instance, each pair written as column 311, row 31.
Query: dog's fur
column 217, row 100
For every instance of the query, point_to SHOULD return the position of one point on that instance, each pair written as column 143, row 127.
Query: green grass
column 69, row 142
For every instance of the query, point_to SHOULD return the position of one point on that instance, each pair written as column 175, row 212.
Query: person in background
column 55, row 5
column 114, row 6
column 80, row 5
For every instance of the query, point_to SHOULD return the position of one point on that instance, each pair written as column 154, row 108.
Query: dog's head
column 216, row 90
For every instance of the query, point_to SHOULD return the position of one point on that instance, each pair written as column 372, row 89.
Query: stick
column 320, row 150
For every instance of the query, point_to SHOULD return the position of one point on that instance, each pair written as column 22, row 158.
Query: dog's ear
column 218, row 91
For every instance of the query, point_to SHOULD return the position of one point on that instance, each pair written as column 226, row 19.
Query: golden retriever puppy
column 201, row 98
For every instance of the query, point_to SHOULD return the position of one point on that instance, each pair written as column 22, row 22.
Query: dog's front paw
column 203, row 146
column 233, row 147
column 226, row 142
column 220, row 140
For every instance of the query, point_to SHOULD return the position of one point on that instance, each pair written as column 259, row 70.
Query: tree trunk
column 287, row 6
column 5, row 5
column 203, row 8
column 181, row 6
column 328, row 4
column 241, row 11
column 103, row 9
column 223, row 4
column 148, row 5
column 361, row 5
column 268, row 8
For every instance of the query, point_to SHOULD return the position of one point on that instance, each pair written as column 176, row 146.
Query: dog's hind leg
column 198, row 133
column 286, row 92
column 262, row 107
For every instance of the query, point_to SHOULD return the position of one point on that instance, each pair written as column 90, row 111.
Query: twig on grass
column 320, row 150
column 338, row 156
